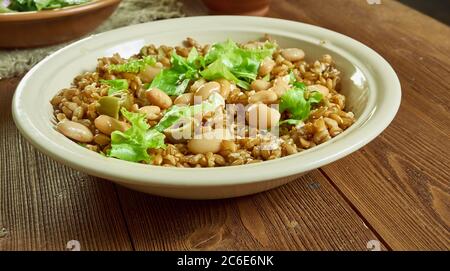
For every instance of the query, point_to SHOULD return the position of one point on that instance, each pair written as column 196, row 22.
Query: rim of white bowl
column 376, row 117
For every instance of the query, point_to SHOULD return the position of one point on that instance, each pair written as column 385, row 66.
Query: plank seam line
column 122, row 212
column 353, row 207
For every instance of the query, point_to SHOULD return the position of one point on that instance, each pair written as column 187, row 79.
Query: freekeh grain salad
column 204, row 105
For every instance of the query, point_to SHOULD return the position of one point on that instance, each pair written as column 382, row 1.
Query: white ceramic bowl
column 370, row 84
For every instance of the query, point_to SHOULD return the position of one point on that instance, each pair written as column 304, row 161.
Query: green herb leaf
column 132, row 145
column 133, row 66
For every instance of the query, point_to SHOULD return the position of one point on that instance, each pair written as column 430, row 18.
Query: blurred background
column 439, row 9
column 23, row 48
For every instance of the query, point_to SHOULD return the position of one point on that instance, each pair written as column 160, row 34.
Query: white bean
column 319, row 88
column 197, row 84
column 263, row 96
column 186, row 99
column 107, row 124
column 202, row 145
column 266, row 66
column 75, row 131
column 209, row 142
column 293, row 54
column 149, row 73
column 262, row 116
column 159, row 98
column 207, row 89
column 280, row 86
column 225, row 87
column 152, row 111
column 259, row 85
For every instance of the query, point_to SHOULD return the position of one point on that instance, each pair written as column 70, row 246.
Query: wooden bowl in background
column 238, row 7
column 39, row 28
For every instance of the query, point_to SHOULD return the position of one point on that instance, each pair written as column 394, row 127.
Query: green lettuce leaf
column 315, row 97
column 171, row 117
column 176, row 113
column 228, row 60
column 292, row 78
column 290, row 122
column 115, row 85
column 168, row 81
column 175, row 80
column 218, row 70
column 133, row 66
column 194, row 59
column 132, row 145
column 295, row 103
column 224, row 60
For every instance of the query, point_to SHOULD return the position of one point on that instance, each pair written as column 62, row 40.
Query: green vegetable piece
column 290, row 122
column 218, row 70
column 115, row 85
column 315, row 97
column 126, row 99
column 168, row 81
column 227, row 60
column 133, row 66
column 224, row 60
column 294, row 101
column 176, row 113
column 110, row 106
column 292, row 78
column 133, row 144
column 193, row 57
column 171, row 117
column 175, row 80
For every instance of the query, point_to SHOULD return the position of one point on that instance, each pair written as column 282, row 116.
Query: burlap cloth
column 17, row 62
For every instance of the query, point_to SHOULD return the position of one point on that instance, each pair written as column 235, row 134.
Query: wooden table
column 394, row 191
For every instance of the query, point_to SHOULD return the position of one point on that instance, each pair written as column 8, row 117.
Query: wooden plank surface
column 307, row 214
column 395, row 190
column 400, row 181
column 44, row 205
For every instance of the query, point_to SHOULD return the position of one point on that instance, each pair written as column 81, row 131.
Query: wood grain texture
column 400, row 181
column 307, row 214
column 43, row 204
